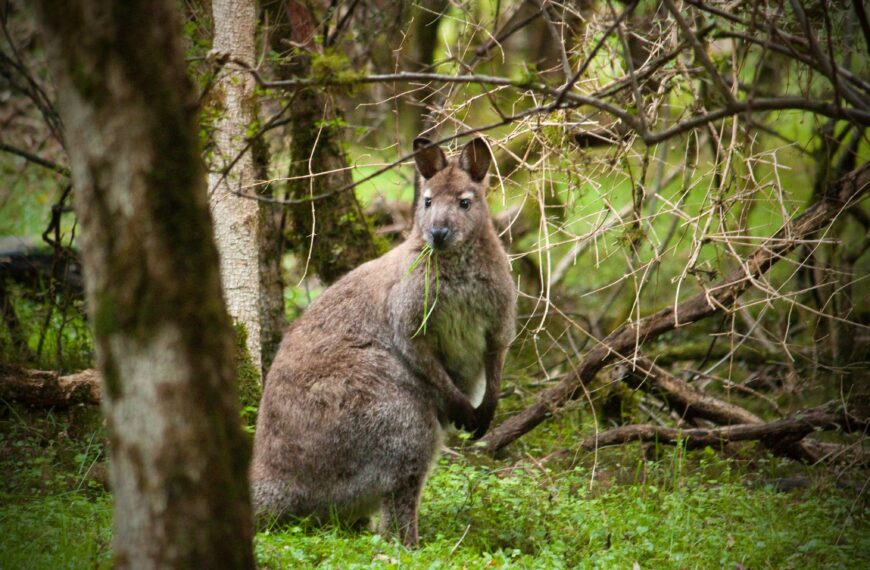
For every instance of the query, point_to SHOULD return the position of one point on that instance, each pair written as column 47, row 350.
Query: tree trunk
column 245, row 229
column 421, row 45
column 331, row 236
column 164, row 340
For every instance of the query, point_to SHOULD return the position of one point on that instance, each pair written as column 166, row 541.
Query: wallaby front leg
column 456, row 406
column 486, row 410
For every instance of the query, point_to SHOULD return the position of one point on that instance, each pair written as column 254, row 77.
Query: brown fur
column 351, row 415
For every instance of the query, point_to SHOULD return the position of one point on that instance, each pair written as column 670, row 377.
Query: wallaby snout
column 439, row 237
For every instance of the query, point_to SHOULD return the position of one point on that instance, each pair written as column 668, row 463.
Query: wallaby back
column 353, row 405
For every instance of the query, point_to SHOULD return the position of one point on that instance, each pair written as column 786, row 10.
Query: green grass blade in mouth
column 428, row 254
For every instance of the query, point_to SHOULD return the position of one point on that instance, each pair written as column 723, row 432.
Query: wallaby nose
column 439, row 236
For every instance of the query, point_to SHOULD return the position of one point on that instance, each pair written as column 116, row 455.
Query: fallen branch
column 687, row 400
column 692, row 403
column 626, row 339
column 41, row 389
column 779, row 436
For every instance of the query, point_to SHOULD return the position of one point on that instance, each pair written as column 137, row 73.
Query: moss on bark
column 343, row 238
column 248, row 378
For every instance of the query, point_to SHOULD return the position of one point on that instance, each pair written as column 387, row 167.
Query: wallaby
column 354, row 403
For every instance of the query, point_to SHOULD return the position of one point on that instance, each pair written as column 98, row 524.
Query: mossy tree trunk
column 330, row 236
column 164, row 339
column 246, row 230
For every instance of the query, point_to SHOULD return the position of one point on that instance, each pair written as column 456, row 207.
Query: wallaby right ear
column 430, row 159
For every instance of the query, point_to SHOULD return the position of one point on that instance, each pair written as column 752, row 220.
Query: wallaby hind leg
column 399, row 510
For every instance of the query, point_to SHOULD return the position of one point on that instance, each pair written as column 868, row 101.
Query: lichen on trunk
column 245, row 229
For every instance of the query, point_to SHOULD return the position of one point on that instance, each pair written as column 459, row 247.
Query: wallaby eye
column 427, row 202
column 465, row 203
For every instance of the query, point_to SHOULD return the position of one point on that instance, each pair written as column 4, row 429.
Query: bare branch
column 700, row 52
column 38, row 160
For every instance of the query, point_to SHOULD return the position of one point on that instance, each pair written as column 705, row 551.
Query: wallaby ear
column 430, row 159
column 475, row 159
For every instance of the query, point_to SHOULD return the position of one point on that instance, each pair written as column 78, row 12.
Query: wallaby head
column 452, row 208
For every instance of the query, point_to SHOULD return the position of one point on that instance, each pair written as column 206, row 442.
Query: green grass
column 684, row 510
column 61, row 531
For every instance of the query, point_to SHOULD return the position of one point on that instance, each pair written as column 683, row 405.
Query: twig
column 38, row 160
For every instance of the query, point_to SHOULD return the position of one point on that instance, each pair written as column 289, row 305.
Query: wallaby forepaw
column 483, row 419
column 464, row 417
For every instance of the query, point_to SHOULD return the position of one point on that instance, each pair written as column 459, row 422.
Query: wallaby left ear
column 475, row 159
column 429, row 158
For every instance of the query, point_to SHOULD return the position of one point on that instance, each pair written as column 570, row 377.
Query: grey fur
column 352, row 413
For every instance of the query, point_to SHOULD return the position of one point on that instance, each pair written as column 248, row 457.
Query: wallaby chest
column 462, row 322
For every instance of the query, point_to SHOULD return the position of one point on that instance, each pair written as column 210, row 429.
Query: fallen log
column 779, row 435
column 42, row 389
column 626, row 339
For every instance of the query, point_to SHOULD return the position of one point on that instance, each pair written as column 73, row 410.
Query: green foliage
column 681, row 510
column 333, row 66
column 64, row 531
column 533, row 517
column 49, row 453
column 55, row 332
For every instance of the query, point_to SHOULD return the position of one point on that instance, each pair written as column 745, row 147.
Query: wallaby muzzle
column 438, row 237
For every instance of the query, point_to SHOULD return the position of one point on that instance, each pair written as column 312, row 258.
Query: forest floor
column 626, row 507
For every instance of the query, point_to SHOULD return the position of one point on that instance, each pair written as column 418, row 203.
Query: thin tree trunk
column 329, row 237
column 164, row 340
column 245, row 229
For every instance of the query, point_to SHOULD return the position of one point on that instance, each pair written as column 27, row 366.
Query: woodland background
column 680, row 186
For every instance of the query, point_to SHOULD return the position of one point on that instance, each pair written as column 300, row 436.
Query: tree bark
column 623, row 341
column 245, row 229
column 164, row 340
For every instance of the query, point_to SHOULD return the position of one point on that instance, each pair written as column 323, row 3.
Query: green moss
column 87, row 83
column 249, row 380
column 332, row 67
column 111, row 376
column 105, row 315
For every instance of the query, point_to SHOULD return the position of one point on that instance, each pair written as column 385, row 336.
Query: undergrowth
column 679, row 509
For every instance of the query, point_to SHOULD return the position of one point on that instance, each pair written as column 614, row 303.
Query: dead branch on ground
column 42, row 389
